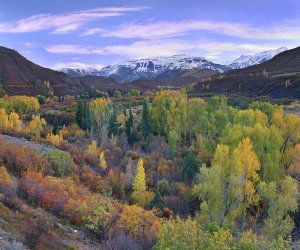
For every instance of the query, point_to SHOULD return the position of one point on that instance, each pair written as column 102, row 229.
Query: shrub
column 19, row 159
column 60, row 161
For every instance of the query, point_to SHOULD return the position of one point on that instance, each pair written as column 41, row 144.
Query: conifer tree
column 130, row 132
column 83, row 115
column 113, row 126
column 146, row 120
column 190, row 167
column 158, row 201
column 79, row 114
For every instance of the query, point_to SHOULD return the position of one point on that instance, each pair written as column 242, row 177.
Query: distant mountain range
column 145, row 69
column 276, row 77
column 166, row 67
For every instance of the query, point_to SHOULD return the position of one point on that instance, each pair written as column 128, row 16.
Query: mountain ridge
column 171, row 66
column 249, row 60
column 18, row 75
column 147, row 69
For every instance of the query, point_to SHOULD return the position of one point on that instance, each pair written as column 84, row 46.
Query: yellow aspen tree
column 246, row 166
column 35, row 126
column 102, row 161
column 139, row 187
column 54, row 139
column 4, row 123
column 14, row 122
column 92, row 148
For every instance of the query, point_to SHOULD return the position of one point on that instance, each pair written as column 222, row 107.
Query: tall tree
column 102, row 161
column 130, row 130
column 83, row 115
column 190, row 167
column 282, row 198
column 139, row 183
column 113, row 126
column 146, row 120
column 172, row 140
column 79, row 114
column 100, row 112
column 227, row 188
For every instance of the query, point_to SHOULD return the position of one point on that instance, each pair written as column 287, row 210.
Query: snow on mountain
column 150, row 68
column 249, row 60
column 73, row 72
column 169, row 66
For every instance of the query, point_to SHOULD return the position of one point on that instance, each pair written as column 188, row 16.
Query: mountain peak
column 249, row 60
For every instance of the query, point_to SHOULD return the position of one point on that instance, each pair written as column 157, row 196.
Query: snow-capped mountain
column 150, row 68
column 249, row 60
column 165, row 67
column 73, row 72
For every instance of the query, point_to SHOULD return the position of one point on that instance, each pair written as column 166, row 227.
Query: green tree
column 181, row 234
column 169, row 111
column 227, row 187
column 158, row 201
column 282, row 198
column 173, row 139
column 83, row 115
column 130, row 129
column 113, row 126
column 163, row 187
column 117, row 94
column 146, row 125
column 100, row 112
column 190, row 167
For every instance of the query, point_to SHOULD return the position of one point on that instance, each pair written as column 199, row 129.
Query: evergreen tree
column 86, row 120
column 79, row 114
column 83, row 115
column 113, row 126
column 190, row 167
column 129, row 123
column 158, row 201
column 146, row 120
column 129, row 129
column 163, row 187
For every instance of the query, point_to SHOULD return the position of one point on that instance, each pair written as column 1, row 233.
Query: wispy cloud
column 63, row 23
column 166, row 47
column 92, row 31
column 70, row 49
column 167, row 29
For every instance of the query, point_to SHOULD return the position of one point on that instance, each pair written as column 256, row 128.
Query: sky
column 96, row 33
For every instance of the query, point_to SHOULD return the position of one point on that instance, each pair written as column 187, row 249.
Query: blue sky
column 95, row 33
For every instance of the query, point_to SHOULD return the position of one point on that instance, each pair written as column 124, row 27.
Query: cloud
column 70, row 49
column 211, row 50
column 76, row 65
column 92, row 31
column 167, row 29
column 63, row 23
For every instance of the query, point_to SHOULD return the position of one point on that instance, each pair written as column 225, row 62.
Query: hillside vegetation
column 147, row 171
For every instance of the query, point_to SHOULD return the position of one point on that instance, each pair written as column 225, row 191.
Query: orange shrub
column 18, row 159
